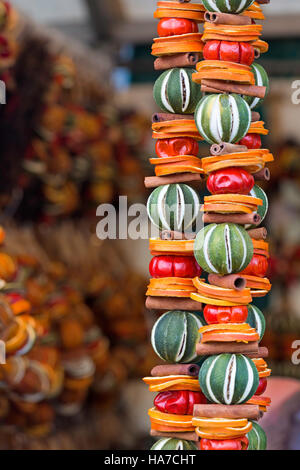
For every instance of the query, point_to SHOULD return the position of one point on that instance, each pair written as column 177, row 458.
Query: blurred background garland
column 71, row 308
column 65, row 148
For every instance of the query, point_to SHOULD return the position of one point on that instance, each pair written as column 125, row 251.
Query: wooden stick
column 227, row 411
column 172, row 235
column 224, row 148
column 208, row 349
column 231, row 281
column 154, row 181
column 226, row 18
column 172, row 303
column 255, row 116
column 187, row 59
column 164, row 117
column 188, row 436
column 242, row 219
column 231, row 87
column 208, row 89
column 262, row 352
column 260, row 233
column 175, row 369
column 256, row 53
column 262, row 175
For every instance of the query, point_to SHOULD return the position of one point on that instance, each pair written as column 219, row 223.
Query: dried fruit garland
column 71, row 349
column 53, row 346
column 26, row 382
column 33, row 372
column 210, row 394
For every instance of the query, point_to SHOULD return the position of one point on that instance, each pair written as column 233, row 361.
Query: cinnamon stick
column 255, row 116
column 154, row 181
column 169, row 303
column 262, row 175
column 262, row 352
column 207, row 89
column 208, row 349
column 231, row 281
column 187, row 59
column 162, row 117
column 226, row 18
column 260, row 233
column 188, row 436
column 175, row 369
column 227, row 411
column 172, row 235
column 256, row 53
column 224, row 147
column 242, row 219
column 231, row 87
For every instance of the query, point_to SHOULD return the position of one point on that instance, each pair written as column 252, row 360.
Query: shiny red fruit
column 230, row 180
column 229, row 51
column 176, row 26
column 252, row 141
column 258, row 266
column 214, row 314
column 178, row 146
column 178, row 402
column 240, row 443
column 174, row 266
column 246, row 53
column 262, row 385
column 211, row 50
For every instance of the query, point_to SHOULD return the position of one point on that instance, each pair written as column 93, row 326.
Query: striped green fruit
column 173, row 444
column 223, row 248
column 223, row 118
column 175, row 335
column 256, row 320
column 173, row 207
column 227, row 6
column 228, row 378
column 175, row 92
column 256, row 191
column 261, row 79
column 257, row 437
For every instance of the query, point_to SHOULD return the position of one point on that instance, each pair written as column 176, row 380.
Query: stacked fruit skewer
column 210, row 393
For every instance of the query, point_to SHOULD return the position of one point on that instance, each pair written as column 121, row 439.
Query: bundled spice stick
column 211, row 326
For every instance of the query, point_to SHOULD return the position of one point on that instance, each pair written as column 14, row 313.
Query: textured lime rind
column 227, row 6
column 175, row 92
column 223, row 118
column 223, row 248
column 173, row 207
column 175, row 335
column 228, row 379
